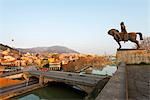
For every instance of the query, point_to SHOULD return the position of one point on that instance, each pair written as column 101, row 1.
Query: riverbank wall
column 19, row 91
column 115, row 89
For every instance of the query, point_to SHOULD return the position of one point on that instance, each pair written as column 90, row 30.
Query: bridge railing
column 11, row 73
column 17, row 86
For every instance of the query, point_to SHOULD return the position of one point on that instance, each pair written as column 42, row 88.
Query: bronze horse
column 118, row 36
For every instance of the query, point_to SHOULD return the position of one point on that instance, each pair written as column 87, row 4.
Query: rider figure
column 124, row 31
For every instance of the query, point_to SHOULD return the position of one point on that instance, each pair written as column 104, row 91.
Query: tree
column 56, row 56
column 145, row 43
column 45, row 63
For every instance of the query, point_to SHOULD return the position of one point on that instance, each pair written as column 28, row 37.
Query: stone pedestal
column 133, row 56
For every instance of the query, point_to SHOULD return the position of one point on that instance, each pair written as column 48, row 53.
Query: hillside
column 52, row 49
column 5, row 47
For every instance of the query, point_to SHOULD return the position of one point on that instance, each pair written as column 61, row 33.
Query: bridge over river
column 85, row 82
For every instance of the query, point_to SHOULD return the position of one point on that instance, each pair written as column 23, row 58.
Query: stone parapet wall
column 133, row 56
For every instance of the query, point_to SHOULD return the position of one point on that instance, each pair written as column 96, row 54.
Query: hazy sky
column 78, row 24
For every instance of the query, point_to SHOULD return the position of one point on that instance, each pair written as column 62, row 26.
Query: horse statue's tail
column 140, row 34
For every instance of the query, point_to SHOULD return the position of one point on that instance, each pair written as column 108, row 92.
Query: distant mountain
column 52, row 49
column 5, row 47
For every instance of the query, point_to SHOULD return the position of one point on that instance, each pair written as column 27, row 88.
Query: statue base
column 133, row 56
column 128, row 49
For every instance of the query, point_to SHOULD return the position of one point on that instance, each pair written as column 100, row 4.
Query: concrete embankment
column 99, row 86
column 115, row 89
column 12, row 93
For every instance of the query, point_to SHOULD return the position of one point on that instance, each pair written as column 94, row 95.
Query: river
column 108, row 70
column 54, row 91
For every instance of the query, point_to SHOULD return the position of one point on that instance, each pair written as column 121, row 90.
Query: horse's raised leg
column 137, row 43
column 119, row 45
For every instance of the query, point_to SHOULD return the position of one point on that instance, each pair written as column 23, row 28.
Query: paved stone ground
column 138, row 81
column 137, row 78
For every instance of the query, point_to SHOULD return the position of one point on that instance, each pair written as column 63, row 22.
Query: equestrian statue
column 124, row 36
